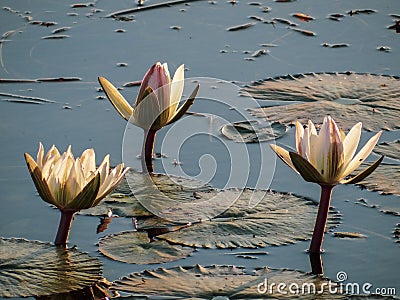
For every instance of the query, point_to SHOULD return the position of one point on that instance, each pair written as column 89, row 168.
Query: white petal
column 350, row 143
column 177, row 86
column 299, row 138
column 362, row 155
column 88, row 160
column 40, row 156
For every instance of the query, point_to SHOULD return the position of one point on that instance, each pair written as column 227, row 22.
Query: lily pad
column 32, row 268
column 124, row 203
column 221, row 282
column 136, row 248
column 252, row 131
column 384, row 179
column 278, row 219
column 348, row 97
column 391, row 150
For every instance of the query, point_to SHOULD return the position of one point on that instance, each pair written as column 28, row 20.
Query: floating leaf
column 221, row 282
column 32, row 268
column 348, row 97
column 384, row 179
column 350, row 235
column 241, row 26
column 124, row 204
column 391, row 150
column 278, row 219
column 136, row 248
column 252, row 131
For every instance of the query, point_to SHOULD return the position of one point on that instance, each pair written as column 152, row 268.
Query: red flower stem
column 147, row 151
column 320, row 222
column 316, row 264
column 64, row 228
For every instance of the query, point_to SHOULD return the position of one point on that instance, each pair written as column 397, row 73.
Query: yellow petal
column 117, row 100
column 177, row 85
column 40, row 183
column 362, row 155
column 365, row 173
column 86, row 198
column 306, row 170
column 284, row 156
column 184, row 108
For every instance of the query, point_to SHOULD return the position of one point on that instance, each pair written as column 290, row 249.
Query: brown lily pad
column 384, row 179
column 221, row 282
column 349, row 235
column 277, row 219
column 348, row 97
column 32, row 268
column 136, row 248
column 391, row 150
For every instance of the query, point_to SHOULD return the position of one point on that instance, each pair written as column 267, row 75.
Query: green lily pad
column 348, row 97
column 169, row 190
column 278, row 219
column 391, row 150
column 32, row 268
column 252, row 131
column 136, row 248
column 221, row 282
column 384, row 179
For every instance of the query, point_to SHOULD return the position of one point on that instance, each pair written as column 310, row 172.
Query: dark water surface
column 207, row 49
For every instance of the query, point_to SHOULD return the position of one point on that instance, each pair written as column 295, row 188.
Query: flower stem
column 64, row 227
column 316, row 264
column 320, row 222
column 147, row 150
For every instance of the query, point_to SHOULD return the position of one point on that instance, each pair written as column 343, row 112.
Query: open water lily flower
column 72, row 184
column 158, row 99
column 327, row 157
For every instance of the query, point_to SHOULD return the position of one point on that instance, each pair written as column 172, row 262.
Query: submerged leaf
column 252, row 131
column 32, row 268
column 136, row 248
column 278, row 219
column 222, row 282
column 349, row 97
column 124, row 203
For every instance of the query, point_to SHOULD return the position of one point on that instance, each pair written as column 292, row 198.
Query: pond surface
column 194, row 34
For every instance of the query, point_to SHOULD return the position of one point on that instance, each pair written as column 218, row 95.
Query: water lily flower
column 327, row 158
column 72, row 184
column 156, row 104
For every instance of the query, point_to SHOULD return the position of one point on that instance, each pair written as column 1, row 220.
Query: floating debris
column 304, row 32
column 350, row 235
column 223, row 51
column 258, row 53
column 303, row 17
column 395, row 26
column 241, row 26
column 82, row 5
column 175, row 27
column 100, row 97
column 384, row 48
column 67, row 107
column 266, row 9
column 133, row 83
column 72, row 14
column 56, row 37
column 22, row 101
column 120, row 30
column 284, row 21
column 255, row 3
column 361, row 11
column 342, row 45
column 61, row 29
column 257, row 18
column 122, row 64
column 249, row 58
column 58, row 79
column 124, row 18
column 48, row 24
column 35, row 99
